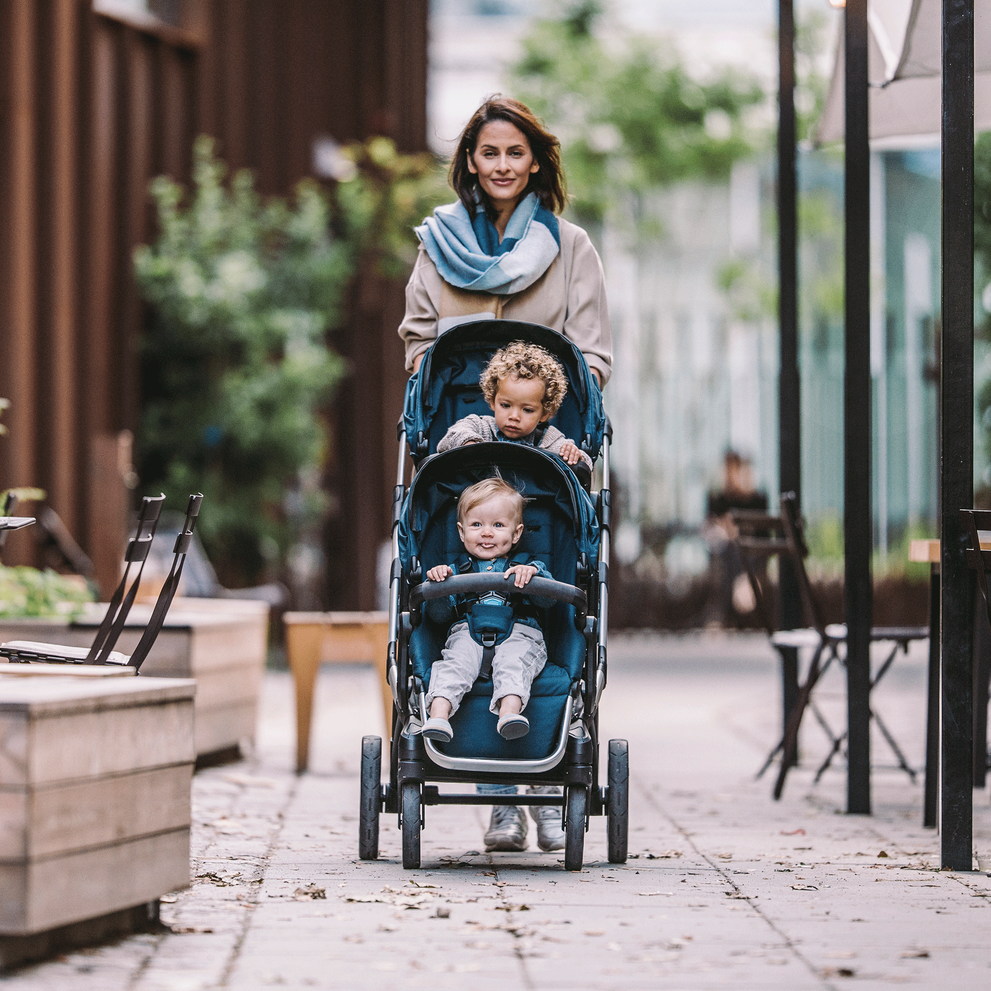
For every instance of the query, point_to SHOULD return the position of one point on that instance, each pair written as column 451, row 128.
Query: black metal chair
column 977, row 522
column 761, row 537
column 101, row 651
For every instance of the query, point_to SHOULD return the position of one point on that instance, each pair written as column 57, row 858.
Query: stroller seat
column 475, row 726
column 560, row 530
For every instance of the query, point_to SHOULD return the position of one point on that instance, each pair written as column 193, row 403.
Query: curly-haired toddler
column 524, row 385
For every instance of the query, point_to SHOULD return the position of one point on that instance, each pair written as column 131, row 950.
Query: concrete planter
column 220, row 642
column 95, row 777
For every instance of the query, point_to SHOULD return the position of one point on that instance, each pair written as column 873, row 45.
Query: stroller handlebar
column 476, row 584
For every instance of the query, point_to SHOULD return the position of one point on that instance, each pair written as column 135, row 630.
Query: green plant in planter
column 29, row 593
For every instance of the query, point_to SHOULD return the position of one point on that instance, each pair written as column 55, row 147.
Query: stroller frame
column 416, row 763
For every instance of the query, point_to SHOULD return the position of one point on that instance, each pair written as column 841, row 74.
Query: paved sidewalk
column 725, row 888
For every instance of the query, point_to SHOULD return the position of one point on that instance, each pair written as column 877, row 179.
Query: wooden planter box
column 95, row 780
column 222, row 643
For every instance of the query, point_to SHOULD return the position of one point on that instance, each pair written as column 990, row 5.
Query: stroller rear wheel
column 411, row 824
column 618, row 800
column 371, row 797
column 574, row 831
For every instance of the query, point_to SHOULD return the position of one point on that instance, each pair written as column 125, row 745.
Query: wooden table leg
column 303, row 642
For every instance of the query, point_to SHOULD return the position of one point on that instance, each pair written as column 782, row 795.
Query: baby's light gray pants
column 517, row 661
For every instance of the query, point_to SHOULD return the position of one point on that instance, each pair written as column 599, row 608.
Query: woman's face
column 503, row 162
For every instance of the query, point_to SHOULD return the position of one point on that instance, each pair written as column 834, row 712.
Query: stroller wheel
column 371, row 797
column 618, row 800
column 411, row 824
column 574, row 830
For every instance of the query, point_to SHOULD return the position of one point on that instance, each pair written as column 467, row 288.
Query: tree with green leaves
column 237, row 368
column 630, row 116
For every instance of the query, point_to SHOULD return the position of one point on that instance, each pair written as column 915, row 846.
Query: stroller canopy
column 446, row 388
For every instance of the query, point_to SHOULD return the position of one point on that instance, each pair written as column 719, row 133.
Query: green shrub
column 28, row 592
column 237, row 370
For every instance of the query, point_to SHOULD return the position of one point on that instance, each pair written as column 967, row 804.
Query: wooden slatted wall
column 92, row 105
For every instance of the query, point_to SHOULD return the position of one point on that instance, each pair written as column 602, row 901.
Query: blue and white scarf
column 469, row 255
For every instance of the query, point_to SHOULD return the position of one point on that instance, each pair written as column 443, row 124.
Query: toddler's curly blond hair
column 526, row 361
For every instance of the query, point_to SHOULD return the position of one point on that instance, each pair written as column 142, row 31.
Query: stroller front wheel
column 371, row 797
column 574, row 830
column 618, row 800
column 411, row 824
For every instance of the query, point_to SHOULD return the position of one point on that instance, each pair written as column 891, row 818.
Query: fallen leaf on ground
column 794, row 832
column 915, row 955
column 308, row 894
column 398, row 897
column 648, row 894
column 804, row 887
column 222, row 879
column 883, row 853
column 224, row 825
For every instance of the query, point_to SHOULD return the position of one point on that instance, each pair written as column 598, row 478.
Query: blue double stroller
column 568, row 530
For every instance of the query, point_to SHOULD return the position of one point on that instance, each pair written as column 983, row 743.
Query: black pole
column 957, row 434
column 789, row 383
column 857, row 522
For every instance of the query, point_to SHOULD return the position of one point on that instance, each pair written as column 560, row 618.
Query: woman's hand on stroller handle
column 476, row 584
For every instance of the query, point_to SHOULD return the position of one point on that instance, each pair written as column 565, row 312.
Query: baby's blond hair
column 526, row 361
column 488, row 489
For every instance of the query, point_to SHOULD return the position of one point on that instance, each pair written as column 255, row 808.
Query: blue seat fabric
column 549, row 537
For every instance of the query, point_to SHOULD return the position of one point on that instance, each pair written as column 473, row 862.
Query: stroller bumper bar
column 483, row 764
column 476, row 584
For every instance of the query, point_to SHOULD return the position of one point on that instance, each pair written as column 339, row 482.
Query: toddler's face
column 490, row 529
column 518, row 406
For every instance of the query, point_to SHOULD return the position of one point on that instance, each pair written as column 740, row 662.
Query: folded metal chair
column 763, row 536
column 101, row 651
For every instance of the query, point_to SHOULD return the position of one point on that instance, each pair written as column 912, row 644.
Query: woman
column 500, row 252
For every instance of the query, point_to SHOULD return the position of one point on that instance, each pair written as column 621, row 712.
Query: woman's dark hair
column 547, row 182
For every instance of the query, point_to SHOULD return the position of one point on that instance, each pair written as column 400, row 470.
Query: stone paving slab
column 725, row 888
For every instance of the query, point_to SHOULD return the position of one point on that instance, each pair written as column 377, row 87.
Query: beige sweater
column 570, row 297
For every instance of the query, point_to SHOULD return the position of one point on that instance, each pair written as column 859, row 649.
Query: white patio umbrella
column 904, row 69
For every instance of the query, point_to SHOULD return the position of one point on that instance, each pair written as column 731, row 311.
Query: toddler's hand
column 523, row 573
column 570, row 453
column 439, row 573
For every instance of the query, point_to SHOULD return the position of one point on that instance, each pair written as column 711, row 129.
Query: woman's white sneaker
column 507, row 829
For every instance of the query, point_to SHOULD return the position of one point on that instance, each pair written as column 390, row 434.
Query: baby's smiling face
column 491, row 529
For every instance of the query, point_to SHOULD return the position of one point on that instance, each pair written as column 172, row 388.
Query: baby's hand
column 570, row 453
column 523, row 573
column 439, row 573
